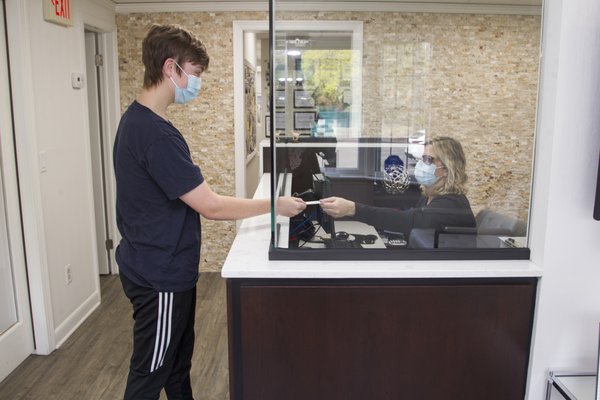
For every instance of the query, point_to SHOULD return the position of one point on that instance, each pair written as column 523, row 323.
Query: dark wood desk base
column 451, row 339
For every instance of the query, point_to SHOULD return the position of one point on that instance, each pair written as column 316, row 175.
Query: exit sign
column 58, row 11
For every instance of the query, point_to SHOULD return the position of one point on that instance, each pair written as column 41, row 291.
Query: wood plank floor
column 94, row 361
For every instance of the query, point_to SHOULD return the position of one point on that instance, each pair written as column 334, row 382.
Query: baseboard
column 73, row 321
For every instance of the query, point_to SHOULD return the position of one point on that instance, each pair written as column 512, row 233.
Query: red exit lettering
column 62, row 8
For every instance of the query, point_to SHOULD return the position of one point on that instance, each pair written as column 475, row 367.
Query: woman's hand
column 290, row 206
column 338, row 207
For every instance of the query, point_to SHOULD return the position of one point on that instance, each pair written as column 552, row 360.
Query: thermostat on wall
column 77, row 80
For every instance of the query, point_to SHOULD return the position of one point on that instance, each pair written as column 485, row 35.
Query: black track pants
column 163, row 343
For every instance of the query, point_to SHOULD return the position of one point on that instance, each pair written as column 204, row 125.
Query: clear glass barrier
column 404, row 131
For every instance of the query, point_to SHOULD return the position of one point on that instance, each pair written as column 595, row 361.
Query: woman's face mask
column 425, row 174
column 194, row 83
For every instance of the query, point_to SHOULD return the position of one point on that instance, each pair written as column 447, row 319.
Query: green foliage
column 327, row 74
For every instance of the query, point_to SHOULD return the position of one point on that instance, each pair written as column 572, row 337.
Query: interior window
column 414, row 131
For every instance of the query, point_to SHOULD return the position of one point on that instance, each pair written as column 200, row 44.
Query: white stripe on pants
column 163, row 329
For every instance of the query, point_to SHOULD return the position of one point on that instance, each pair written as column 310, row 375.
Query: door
column 93, row 63
column 16, row 332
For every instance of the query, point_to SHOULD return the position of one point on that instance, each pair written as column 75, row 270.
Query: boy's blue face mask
column 194, row 83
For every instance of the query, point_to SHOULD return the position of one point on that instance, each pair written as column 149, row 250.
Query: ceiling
column 471, row 2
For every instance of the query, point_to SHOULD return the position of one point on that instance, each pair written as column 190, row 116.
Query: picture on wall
column 304, row 120
column 280, row 121
column 303, row 99
column 250, row 110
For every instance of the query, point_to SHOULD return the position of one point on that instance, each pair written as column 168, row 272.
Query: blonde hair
column 450, row 152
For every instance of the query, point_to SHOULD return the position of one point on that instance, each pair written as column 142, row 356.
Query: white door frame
column 111, row 114
column 239, row 27
column 16, row 344
column 99, row 147
column 23, row 95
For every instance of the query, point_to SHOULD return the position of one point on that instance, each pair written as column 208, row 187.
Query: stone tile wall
column 473, row 77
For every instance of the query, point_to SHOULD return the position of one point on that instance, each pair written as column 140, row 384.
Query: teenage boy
column 160, row 194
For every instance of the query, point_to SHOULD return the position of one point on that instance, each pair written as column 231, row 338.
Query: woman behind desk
column 442, row 176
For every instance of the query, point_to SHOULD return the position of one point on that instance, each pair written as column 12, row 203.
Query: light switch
column 77, row 80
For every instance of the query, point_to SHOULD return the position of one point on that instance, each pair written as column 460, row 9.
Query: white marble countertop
column 249, row 258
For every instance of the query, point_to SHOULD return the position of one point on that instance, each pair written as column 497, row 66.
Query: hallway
column 93, row 363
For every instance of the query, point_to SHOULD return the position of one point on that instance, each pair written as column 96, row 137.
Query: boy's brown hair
column 170, row 41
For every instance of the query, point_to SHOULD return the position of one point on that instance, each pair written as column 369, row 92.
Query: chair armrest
column 465, row 230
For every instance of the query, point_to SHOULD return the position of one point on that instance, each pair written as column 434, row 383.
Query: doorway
column 94, row 61
column 16, row 331
column 251, row 43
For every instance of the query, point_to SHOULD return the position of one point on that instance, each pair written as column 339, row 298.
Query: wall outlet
column 68, row 274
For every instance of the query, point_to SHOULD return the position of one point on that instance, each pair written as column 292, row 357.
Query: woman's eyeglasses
column 428, row 159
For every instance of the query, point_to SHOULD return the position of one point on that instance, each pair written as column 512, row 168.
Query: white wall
column 52, row 117
column 565, row 239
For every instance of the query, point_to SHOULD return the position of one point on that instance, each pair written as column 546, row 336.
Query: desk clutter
column 347, row 240
column 350, row 235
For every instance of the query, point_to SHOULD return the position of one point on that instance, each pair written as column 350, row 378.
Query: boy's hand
column 290, row 206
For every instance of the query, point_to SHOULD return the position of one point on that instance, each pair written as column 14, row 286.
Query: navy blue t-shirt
column 160, row 248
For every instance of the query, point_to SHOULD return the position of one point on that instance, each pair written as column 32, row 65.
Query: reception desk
column 374, row 329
